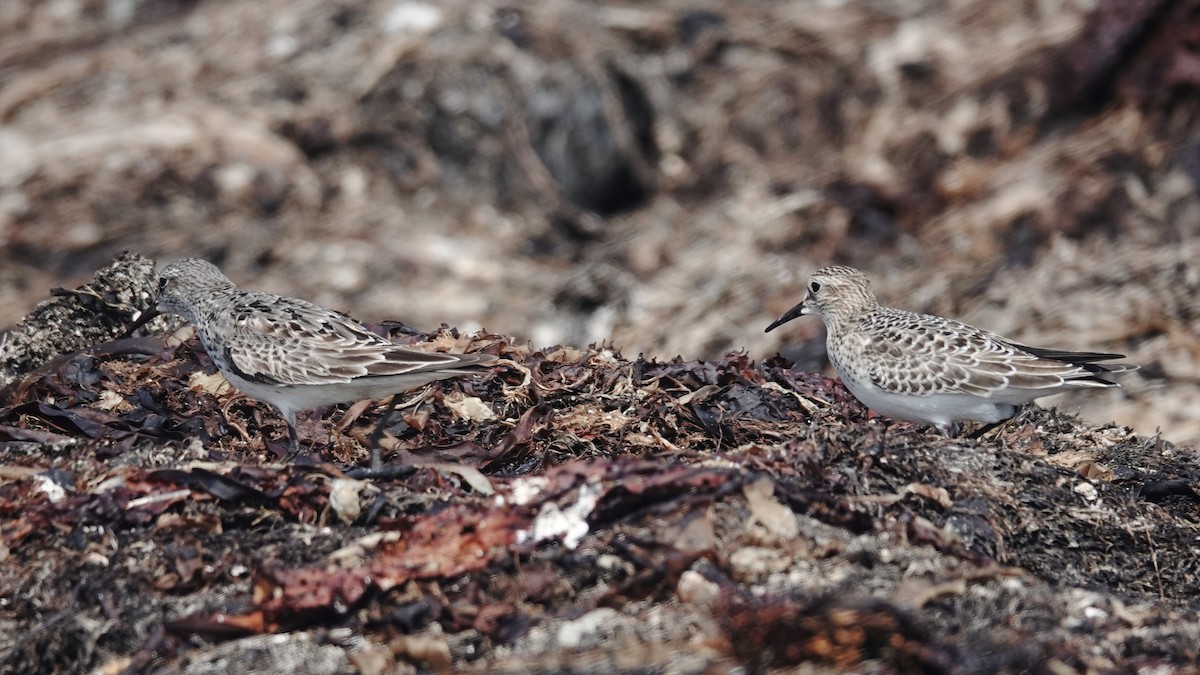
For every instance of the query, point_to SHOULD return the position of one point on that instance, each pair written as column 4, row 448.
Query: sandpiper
column 293, row 354
column 933, row 370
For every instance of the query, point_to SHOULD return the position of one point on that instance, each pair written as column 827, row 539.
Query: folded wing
column 929, row 355
column 310, row 345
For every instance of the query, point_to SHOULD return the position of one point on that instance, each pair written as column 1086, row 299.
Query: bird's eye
column 813, row 287
column 162, row 284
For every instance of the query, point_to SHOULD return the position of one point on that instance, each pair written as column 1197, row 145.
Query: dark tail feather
column 1078, row 358
column 1084, row 361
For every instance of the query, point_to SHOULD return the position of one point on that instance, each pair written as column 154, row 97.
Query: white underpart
column 295, row 398
column 937, row 409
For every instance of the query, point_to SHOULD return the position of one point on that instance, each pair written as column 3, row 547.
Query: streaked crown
column 837, row 293
column 185, row 285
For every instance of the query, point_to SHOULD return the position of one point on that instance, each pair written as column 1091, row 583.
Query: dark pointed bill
column 141, row 321
column 788, row 316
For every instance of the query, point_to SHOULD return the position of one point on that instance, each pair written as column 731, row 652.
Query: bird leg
column 1021, row 410
column 293, row 443
column 376, row 437
column 981, row 431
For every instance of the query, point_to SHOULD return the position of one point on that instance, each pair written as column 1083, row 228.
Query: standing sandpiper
column 931, row 370
column 293, row 354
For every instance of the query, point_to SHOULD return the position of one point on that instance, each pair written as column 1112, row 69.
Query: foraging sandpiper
column 293, row 354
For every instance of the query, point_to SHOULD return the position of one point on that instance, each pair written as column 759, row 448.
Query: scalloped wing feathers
column 298, row 343
column 921, row 355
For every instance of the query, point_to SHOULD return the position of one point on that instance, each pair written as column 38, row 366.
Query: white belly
column 295, row 398
column 936, row 409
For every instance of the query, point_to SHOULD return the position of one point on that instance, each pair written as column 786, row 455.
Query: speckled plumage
column 933, row 370
column 293, row 354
